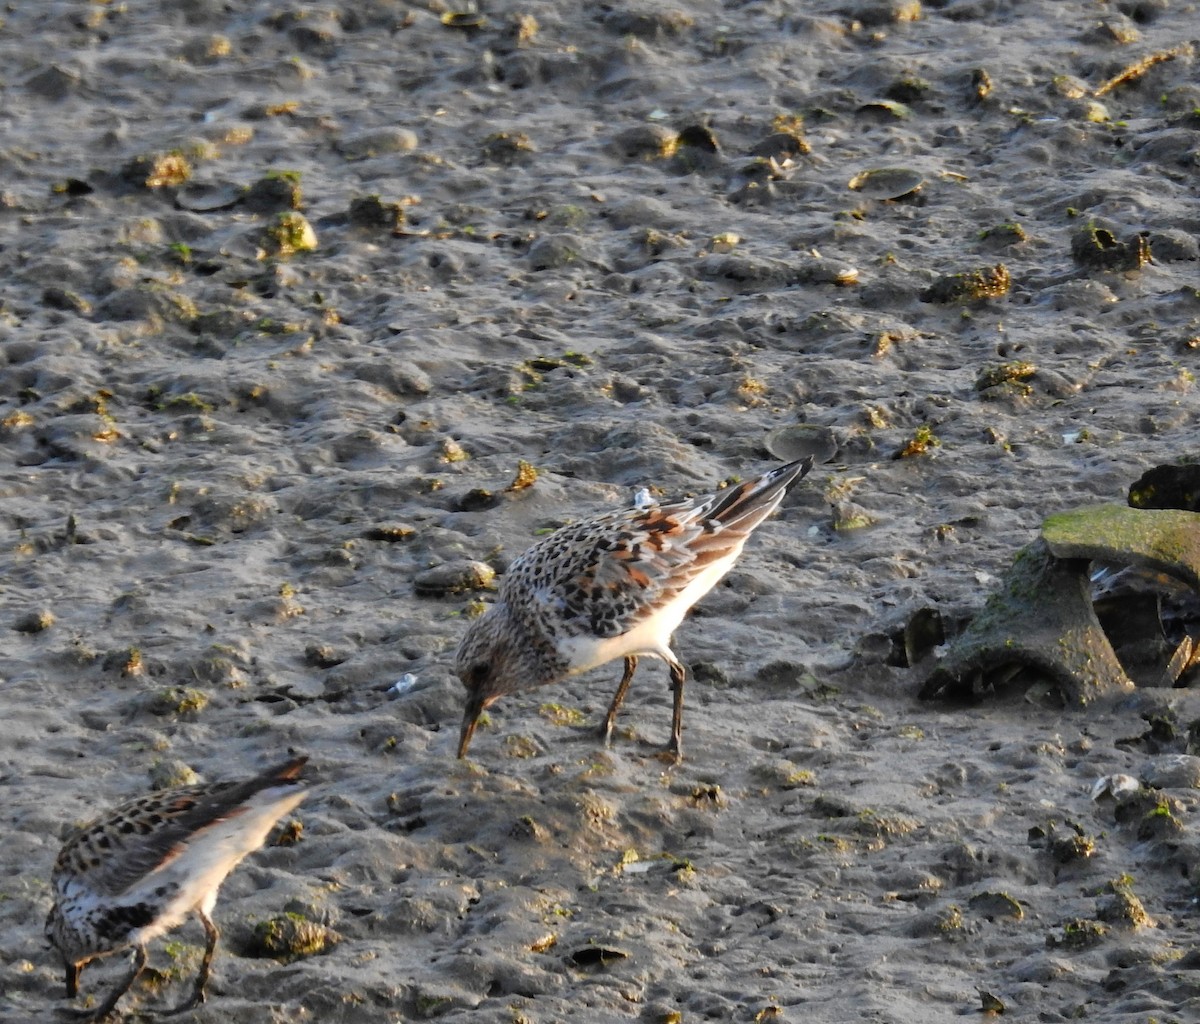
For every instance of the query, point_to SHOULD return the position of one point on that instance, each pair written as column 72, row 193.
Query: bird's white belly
column 652, row 635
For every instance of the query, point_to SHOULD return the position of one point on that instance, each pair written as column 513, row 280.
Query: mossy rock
column 1041, row 618
column 1167, row 540
column 290, row 937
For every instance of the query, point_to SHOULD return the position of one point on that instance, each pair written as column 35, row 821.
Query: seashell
column 205, row 197
column 888, row 183
column 796, row 440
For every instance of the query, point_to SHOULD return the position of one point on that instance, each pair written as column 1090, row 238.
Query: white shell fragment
column 1115, row 786
column 402, row 685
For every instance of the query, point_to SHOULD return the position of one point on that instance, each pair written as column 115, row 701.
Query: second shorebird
column 138, row 871
column 616, row 585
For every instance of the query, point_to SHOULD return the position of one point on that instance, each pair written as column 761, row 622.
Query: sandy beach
column 314, row 316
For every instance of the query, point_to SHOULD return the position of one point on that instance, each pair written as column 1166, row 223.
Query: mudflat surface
column 620, row 244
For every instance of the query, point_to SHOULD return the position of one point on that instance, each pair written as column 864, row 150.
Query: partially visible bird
column 136, row 872
column 616, row 585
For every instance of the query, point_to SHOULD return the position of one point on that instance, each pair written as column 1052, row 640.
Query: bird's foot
column 670, row 755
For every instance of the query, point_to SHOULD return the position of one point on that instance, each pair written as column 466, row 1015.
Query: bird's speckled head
column 491, row 662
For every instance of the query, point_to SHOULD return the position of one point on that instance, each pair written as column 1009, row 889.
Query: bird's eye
column 477, row 674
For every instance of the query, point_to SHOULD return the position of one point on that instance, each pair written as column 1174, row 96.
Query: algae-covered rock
column 291, row 937
column 1167, row 540
column 288, row 234
column 1041, row 618
column 1168, row 487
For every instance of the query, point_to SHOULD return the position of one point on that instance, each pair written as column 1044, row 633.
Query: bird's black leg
column 139, row 963
column 210, row 949
column 675, row 747
column 610, row 719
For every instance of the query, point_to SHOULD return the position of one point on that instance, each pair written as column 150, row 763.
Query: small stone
column 971, row 286
column 372, row 212
column 555, row 251
column 1124, row 910
column 1078, row 934
column 391, row 533
column 477, row 500
column 322, row 656
column 507, row 148
column 993, row 905
column 54, row 82
column 278, row 191
column 377, row 142
column 34, row 622
column 1175, row 771
column 55, row 297
column 171, row 774
column 1098, row 248
column 179, row 700
column 454, row 578
column 289, row 234
column 645, row 142
column 290, row 937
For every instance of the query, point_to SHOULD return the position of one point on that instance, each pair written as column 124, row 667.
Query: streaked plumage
column 136, row 872
column 615, row 585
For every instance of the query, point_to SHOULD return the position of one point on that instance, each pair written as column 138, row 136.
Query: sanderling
column 138, row 871
column 611, row 586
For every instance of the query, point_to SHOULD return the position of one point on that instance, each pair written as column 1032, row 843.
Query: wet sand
column 620, row 245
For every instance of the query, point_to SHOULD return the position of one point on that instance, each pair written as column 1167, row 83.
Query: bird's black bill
column 471, row 715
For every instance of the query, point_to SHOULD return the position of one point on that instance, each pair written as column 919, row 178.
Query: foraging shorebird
column 616, row 585
column 138, row 871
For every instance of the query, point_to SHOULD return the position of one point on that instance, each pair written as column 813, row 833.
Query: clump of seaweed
column 920, row 443
column 1004, row 234
column 157, row 170
column 970, row 286
column 1015, row 373
column 526, row 475
column 179, row 700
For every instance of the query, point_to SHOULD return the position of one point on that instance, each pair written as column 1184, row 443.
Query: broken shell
column 887, row 183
